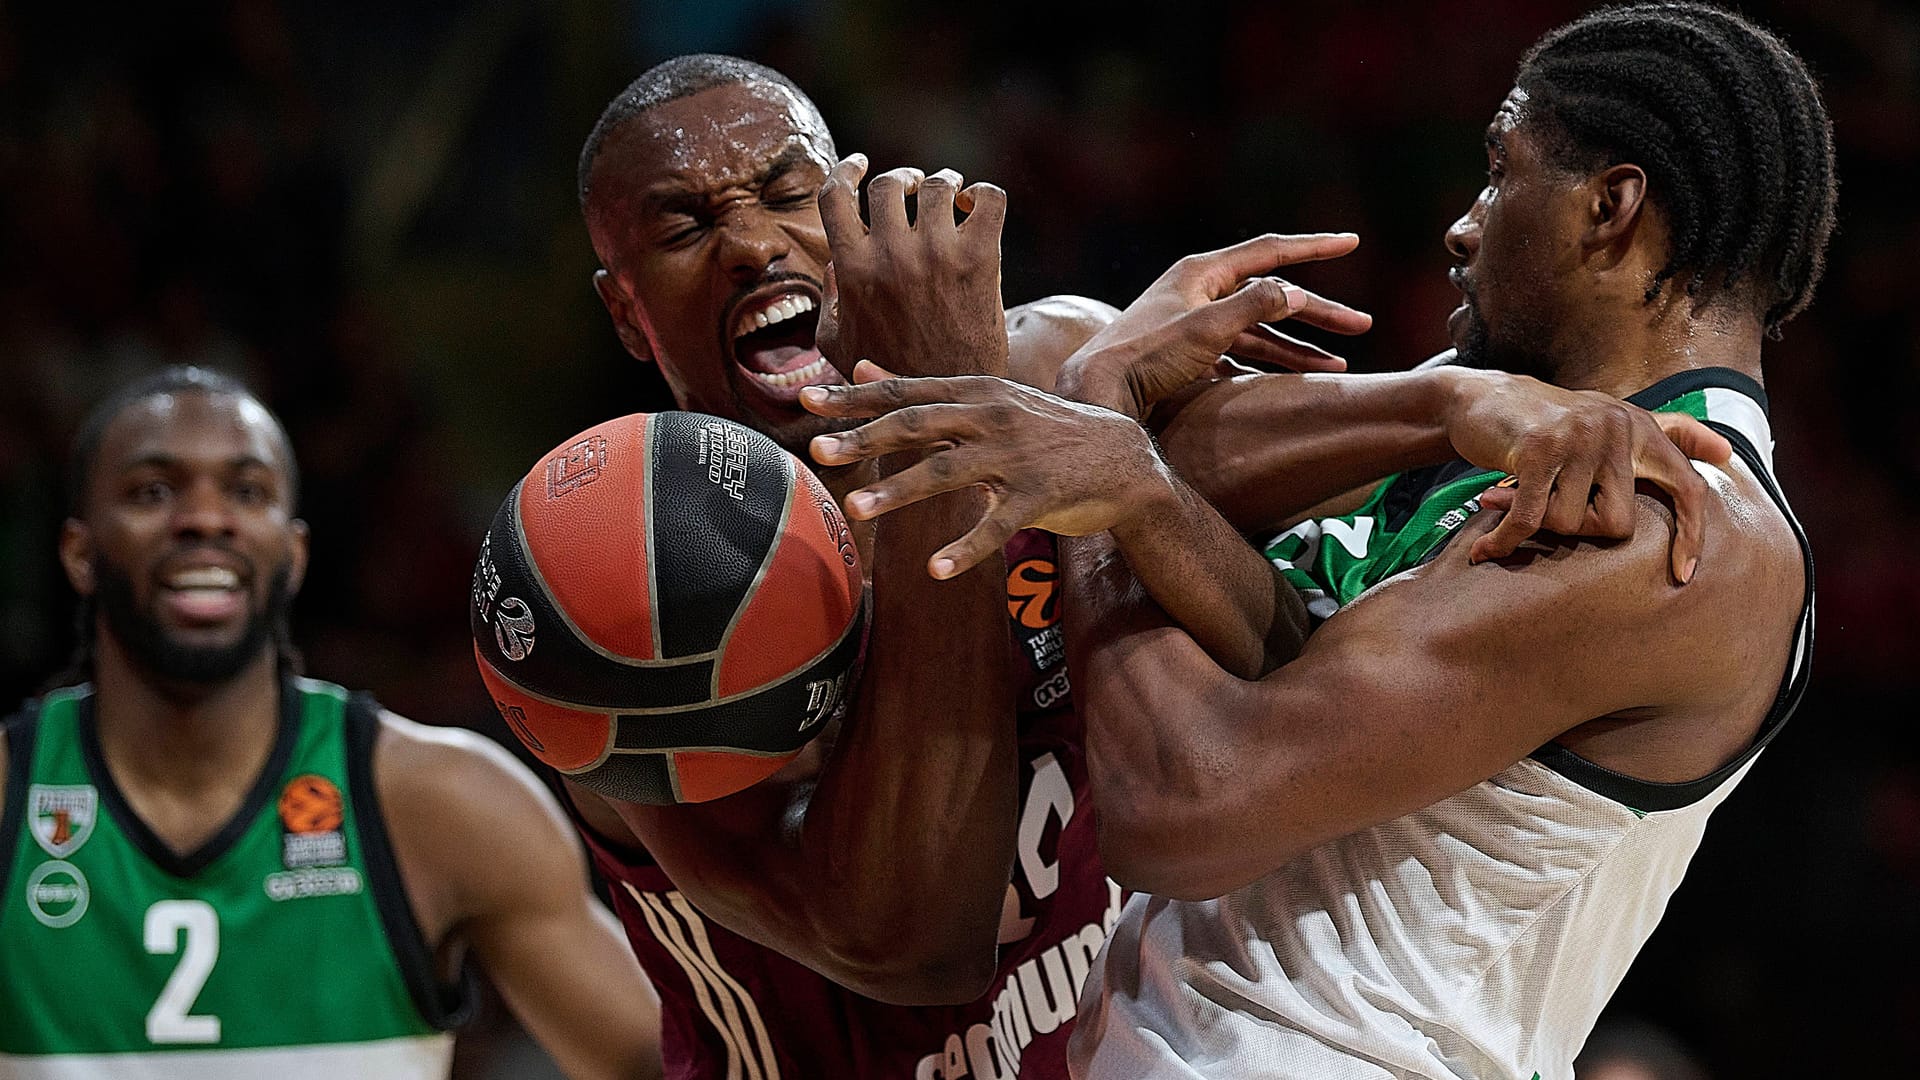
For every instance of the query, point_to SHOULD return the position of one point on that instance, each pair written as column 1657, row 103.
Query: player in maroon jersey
column 935, row 852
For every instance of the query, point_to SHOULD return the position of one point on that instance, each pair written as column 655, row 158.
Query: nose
column 1463, row 236
column 201, row 511
column 750, row 242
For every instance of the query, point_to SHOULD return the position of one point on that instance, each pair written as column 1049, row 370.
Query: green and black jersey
column 283, row 947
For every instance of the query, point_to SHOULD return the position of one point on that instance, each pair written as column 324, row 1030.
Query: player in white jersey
column 1428, row 841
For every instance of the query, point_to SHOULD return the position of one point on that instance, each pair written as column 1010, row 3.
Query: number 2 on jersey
column 167, row 921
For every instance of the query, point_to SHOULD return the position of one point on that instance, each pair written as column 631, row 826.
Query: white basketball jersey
column 1476, row 939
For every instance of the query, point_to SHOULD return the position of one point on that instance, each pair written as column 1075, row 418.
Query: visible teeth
column 206, row 577
column 778, row 311
column 797, row 376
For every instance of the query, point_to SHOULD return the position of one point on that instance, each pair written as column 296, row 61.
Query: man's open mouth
column 773, row 340
column 198, row 592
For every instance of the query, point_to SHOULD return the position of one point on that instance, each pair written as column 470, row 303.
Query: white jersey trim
column 404, row 1058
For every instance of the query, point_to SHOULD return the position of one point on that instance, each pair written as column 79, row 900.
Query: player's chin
column 785, row 421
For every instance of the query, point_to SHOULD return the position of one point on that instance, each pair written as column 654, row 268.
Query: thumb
column 1695, row 439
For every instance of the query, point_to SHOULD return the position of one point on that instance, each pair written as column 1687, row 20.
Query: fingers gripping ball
column 667, row 608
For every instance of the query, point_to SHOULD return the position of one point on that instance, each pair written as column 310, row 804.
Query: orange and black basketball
column 667, row 608
column 311, row 803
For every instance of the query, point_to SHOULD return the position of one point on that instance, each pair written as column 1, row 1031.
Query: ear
column 76, row 555
column 629, row 320
column 1616, row 206
column 297, row 557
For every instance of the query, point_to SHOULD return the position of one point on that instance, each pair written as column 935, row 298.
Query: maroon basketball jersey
column 731, row 1008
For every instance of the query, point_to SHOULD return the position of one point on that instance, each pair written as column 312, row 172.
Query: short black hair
column 172, row 380
column 670, row 80
column 1728, row 123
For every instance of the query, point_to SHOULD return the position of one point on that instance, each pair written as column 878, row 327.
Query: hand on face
column 921, row 298
column 1045, row 462
column 1574, row 456
column 1205, row 306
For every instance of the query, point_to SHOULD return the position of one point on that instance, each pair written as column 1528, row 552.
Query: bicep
column 557, row 955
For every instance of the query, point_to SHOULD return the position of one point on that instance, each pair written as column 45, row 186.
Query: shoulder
column 1042, row 333
column 445, row 771
column 471, row 826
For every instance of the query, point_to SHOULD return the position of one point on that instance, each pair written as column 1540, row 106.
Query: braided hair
column 86, row 452
column 1729, row 126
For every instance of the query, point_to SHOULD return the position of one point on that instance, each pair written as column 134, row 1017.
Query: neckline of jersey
column 1686, row 382
column 142, row 836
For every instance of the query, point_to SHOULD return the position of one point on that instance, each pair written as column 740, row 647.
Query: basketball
column 666, row 608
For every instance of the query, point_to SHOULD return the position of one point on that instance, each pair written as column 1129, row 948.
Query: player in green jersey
column 211, row 867
column 1429, row 840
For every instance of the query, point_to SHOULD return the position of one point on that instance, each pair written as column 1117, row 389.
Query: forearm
column 1264, row 449
column 1210, row 581
column 917, row 801
column 1158, row 751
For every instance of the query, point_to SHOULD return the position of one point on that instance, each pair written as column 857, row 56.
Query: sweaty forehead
column 718, row 137
column 1513, row 111
column 192, row 426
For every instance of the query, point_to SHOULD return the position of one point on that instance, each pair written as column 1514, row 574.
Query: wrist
column 1151, row 501
column 1454, row 393
column 1083, row 378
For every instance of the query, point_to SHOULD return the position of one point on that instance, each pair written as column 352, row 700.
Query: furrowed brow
column 793, row 157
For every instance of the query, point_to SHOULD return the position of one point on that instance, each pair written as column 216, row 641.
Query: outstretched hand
column 1045, row 462
column 1205, row 306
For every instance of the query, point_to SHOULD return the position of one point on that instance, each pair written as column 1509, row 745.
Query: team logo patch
column 311, row 816
column 62, row 816
column 57, row 893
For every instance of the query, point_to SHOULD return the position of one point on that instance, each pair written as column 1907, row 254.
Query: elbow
column 907, row 973
column 1179, row 857
column 1140, row 862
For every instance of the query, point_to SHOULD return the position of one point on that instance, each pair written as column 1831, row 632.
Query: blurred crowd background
column 367, row 211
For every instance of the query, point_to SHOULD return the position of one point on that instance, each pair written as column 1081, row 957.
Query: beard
column 1509, row 353
column 152, row 649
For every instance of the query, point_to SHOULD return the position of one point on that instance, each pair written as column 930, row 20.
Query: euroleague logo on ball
column 512, row 619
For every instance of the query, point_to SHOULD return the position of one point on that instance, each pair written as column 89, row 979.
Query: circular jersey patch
column 57, row 893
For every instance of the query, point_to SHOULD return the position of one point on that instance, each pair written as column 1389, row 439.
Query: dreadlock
column 1729, row 126
column 86, row 452
column 670, row 80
